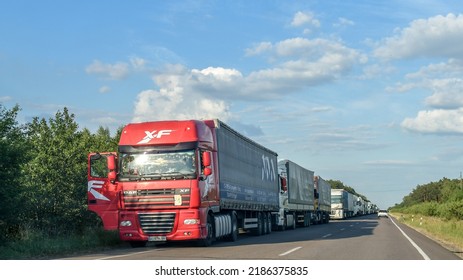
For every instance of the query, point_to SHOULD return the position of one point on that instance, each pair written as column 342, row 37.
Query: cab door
column 102, row 189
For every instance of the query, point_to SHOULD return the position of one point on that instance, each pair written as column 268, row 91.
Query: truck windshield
column 157, row 165
column 336, row 199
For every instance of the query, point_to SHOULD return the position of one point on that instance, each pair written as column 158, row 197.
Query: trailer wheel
column 269, row 223
column 307, row 217
column 260, row 225
column 264, row 223
column 293, row 226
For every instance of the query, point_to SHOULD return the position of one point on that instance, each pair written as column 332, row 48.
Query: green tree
column 55, row 176
column 12, row 149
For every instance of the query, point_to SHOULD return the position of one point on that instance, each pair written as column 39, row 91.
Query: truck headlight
column 126, row 223
column 191, row 222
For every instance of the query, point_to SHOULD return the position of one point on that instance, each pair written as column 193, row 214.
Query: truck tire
column 283, row 227
column 264, row 224
column 269, row 223
column 307, row 219
column 260, row 225
column 210, row 238
column 293, row 226
column 235, row 230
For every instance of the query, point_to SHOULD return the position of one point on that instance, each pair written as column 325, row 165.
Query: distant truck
column 342, row 204
column 186, row 180
column 296, row 195
column 322, row 193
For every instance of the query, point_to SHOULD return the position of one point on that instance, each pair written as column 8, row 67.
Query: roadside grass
column 40, row 246
column 449, row 233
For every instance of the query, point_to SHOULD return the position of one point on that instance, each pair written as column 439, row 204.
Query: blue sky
column 366, row 92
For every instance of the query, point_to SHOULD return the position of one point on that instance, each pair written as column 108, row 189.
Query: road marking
column 289, row 252
column 119, row 256
column 342, row 229
column 422, row 253
column 326, row 235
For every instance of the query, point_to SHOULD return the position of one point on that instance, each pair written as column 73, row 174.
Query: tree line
column 443, row 199
column 43, row 174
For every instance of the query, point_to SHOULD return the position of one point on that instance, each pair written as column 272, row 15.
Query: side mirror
column 207, row 171
column 111, row 162
column 284, row 187
column 206, row 159
column 112, row 176
column 112, row 168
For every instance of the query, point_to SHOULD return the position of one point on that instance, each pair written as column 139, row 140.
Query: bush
column 453, row 209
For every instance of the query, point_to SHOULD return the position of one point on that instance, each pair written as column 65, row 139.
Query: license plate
column 157, row 238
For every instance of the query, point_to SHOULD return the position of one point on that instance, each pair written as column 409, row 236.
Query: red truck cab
column 160, row 185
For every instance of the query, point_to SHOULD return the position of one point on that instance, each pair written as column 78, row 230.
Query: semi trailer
column 322, row 193
column 184, row 180
column 296, row 196
column 342, row 204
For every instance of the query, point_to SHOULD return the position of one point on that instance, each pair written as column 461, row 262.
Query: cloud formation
column 436, row 121
column 296, row 63
column 116, row 71
column 438, row 36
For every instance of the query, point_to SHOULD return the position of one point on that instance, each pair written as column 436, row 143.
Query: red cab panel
column 102, row 194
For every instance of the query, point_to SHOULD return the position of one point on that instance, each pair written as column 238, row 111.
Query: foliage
column 442, row 199
column 448, row 232
column 336, row 184
column 38, row 245
column 12, row 156
column 43, row 169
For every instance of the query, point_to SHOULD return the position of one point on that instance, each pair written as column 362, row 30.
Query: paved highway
column 360, row 238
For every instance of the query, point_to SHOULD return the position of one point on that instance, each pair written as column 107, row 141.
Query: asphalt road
column 360, row 238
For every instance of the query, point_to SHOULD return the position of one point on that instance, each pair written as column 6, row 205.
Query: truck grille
column 156, row 223
column 155, row 199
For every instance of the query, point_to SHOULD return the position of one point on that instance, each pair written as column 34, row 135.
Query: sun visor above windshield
column 166, row 133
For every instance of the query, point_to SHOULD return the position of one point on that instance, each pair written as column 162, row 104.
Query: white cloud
column 137, row 63
column 216, row 74
column 105, row 89
column 5, row 98
column 116, row 71
column 438, row 36
column 451, row 68
column 305, row 18
column 201, row 93
column 388, row 162
column 447, row 94
column 259, row 49
column 436, row 121
column 300, row 62
column 176, row 100
column 210, row 92
column 343, row 22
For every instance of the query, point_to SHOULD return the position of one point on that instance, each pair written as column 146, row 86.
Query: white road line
column 289, row 252
column 326, row 235
column 423, row 254
column 120, row 256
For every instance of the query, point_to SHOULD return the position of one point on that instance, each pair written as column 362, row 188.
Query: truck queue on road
column 202, row 180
